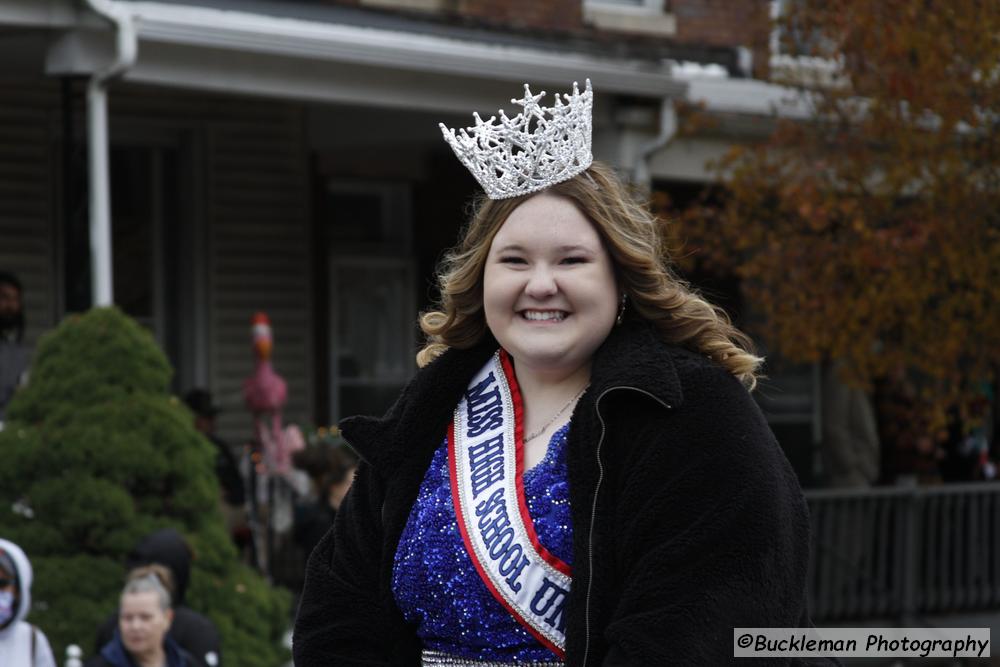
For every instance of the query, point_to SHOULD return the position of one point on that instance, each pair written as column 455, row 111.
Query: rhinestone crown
column 539, row 147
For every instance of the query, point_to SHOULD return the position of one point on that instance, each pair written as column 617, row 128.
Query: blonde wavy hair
column 632, row 237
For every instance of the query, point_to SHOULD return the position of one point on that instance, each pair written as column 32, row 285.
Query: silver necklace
column 556, row 415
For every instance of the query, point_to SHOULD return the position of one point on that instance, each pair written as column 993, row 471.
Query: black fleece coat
column 687, row 518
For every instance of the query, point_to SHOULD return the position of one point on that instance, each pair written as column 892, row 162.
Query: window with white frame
column 372, row 295
column 650, row 17
column 157, row 250
column 372, row 327
column 418, row 5
column 792, row 48
column 645, row 6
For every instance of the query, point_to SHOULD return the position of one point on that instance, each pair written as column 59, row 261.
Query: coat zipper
column 593, row 511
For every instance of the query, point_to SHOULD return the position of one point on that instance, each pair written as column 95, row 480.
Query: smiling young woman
column 577, row 475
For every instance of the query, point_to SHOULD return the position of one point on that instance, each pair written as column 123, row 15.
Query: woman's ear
column 170, row 617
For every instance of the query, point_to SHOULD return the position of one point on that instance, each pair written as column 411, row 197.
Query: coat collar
column 115, row 653
column 632, row 356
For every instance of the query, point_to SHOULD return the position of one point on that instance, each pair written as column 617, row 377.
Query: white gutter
column 246, row 32
column 241, row 52
column 208, row 32
column 668, row 128
column 35, row 13
column 126, row 50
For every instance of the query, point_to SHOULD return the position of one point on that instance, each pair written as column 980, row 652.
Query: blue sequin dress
column 435, row 583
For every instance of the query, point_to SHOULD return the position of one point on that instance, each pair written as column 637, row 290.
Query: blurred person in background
column 14, row 354
column 850, row 432
column 21, row 644
column 227, row 470
column 331, row 469
column 192, row 631
column 144, row 617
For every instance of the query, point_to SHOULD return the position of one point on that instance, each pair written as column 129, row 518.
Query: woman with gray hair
column 144, row 616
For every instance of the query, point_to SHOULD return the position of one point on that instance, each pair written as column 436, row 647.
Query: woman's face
column 549, row 289
column 142, row 622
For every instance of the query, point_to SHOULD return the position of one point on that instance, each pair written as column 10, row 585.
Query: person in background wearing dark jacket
column 226, row 468
column 578, row 474
column 331, row 470
column 144, row 617
column 192, row 631
column 14, row 354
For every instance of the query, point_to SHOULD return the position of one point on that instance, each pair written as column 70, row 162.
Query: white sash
column 485, row 443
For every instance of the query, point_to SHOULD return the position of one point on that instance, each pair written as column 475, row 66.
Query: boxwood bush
column 97, row 454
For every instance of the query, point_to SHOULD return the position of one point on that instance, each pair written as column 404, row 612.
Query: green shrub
column 97, row 455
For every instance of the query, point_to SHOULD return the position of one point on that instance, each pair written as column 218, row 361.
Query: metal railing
column 904, row 552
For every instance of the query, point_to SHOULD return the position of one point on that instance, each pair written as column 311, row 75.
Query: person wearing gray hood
column 21, row 644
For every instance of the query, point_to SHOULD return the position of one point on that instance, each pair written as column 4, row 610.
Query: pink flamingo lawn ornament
column 265, row 393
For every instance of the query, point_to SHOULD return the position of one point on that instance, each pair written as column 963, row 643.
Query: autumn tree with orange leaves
column 868, row 231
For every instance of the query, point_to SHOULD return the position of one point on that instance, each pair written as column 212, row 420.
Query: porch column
column 126, row 47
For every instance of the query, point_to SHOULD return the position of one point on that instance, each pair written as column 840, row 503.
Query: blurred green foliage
column 97, row 455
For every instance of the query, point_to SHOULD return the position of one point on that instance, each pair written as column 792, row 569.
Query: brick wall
column 711, row 23
column 725, row 23
column 561, row 15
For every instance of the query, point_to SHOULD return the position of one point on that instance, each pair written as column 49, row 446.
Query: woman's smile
column 546, row 316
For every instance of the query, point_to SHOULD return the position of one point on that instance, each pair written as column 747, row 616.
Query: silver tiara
column 539, row 147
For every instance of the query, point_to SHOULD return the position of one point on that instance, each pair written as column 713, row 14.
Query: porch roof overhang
column 232, row 50
column 749, row 99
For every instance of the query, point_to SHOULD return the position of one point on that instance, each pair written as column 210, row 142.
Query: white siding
column 27, row 193
column 251, row 250
column 255, row 252
column 259, row 256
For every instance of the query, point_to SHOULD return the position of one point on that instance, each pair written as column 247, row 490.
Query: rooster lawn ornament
column 265, row 393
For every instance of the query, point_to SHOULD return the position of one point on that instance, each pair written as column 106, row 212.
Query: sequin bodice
column 435, row 583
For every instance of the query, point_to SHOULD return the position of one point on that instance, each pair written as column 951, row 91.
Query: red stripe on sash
column 529, row 525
